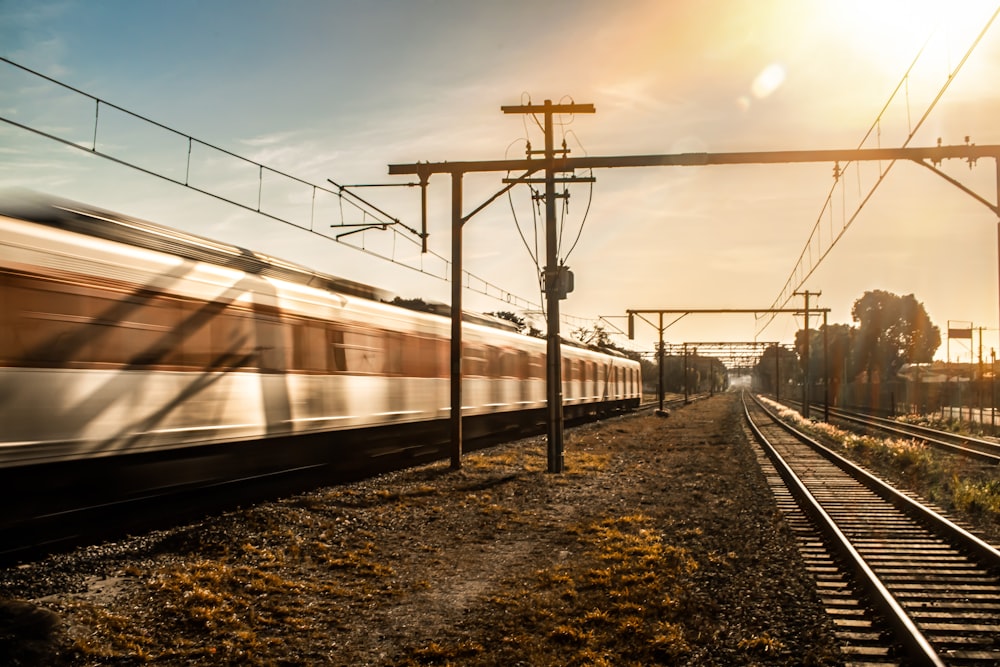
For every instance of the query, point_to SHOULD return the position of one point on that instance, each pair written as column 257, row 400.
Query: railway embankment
column 660, row 544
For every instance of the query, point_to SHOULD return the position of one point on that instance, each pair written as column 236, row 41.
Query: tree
column 596, row 336
column 523, row 326
column 892, row 331
column 815, row 360
column 842, row 366
column 777, row 366
column 510, row 317
column 414, row 304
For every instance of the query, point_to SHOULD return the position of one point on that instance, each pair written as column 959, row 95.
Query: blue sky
column 340, row 90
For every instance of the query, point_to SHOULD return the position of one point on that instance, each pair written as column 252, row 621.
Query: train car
column 127, row 340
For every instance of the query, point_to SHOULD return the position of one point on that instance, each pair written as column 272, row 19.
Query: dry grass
column 626, row 596
column 657, row 546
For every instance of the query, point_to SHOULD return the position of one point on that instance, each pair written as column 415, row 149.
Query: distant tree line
column 694, row 373
column 890, row 331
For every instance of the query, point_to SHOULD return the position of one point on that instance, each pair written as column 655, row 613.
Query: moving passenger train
column 125, row 340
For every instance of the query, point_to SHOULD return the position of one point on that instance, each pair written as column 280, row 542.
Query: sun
column 891, row 33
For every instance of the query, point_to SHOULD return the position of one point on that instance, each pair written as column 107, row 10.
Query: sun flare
column 891, row 33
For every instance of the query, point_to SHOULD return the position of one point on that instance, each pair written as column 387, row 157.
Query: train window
column 474, row 360
column 536, row 366
column 395, row 348
column 421, row 356
column 151, row 330
column 508, row 362
column 269, row 341
column 520, row 363
column 334, row 353
column 442, row 357
column 308, row 351
column 54, row 323
column 36, row 327
column 364, row 351
column 513, row 363
column 232, row 340
column 98, row 331
column 8, row 322
column 195, row 330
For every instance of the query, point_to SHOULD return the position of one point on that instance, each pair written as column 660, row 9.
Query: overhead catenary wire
column 371, row 216
column 799, row 275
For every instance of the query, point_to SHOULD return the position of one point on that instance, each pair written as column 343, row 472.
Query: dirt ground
column 659, row 544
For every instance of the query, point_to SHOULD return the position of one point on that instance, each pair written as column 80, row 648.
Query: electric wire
column 513, row 212
column 788, row 290
column 378, row 219
column 590, row 197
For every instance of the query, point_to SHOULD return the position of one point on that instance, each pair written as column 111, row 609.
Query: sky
column 339, row 90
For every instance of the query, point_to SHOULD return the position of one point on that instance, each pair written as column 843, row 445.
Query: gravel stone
column 660, row 544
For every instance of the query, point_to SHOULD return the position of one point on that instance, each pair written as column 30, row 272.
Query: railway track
column 963, row 445
column 670, row 402
column 978, row 449
column 904, row 585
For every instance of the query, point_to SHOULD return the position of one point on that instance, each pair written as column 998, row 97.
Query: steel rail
column 936, row 438
column 932, row 437
column 986, row 553
column 906, row 631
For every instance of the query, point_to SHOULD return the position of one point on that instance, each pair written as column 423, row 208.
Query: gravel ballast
column 659, row 544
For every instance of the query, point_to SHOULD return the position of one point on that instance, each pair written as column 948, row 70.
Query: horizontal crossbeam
column 666, row 311
column 933, row 153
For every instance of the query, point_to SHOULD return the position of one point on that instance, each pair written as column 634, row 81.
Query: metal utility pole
column 659, row 365
column 555, row 274
column 632, row 313
column 826, row 369
column 807, row 379
column 686, row 398
column 777, row 373
column 660, row 351
column 455, row 387
column 557, row 278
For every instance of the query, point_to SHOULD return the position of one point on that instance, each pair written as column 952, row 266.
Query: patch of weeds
column 579, row 462
column 363, row 561
column 977, row 497
column 668, row 642
column 620, row 602
column 438, row 654
column 205, row 610
column 726, row 559
column 761, row 645
column 570, row 634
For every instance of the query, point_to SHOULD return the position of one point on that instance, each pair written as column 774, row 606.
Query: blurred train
column 188, row 361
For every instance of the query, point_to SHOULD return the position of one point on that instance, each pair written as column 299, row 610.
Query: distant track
column 673, row 402
column 903, row 584
column 968, row 446
column 962, row 445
